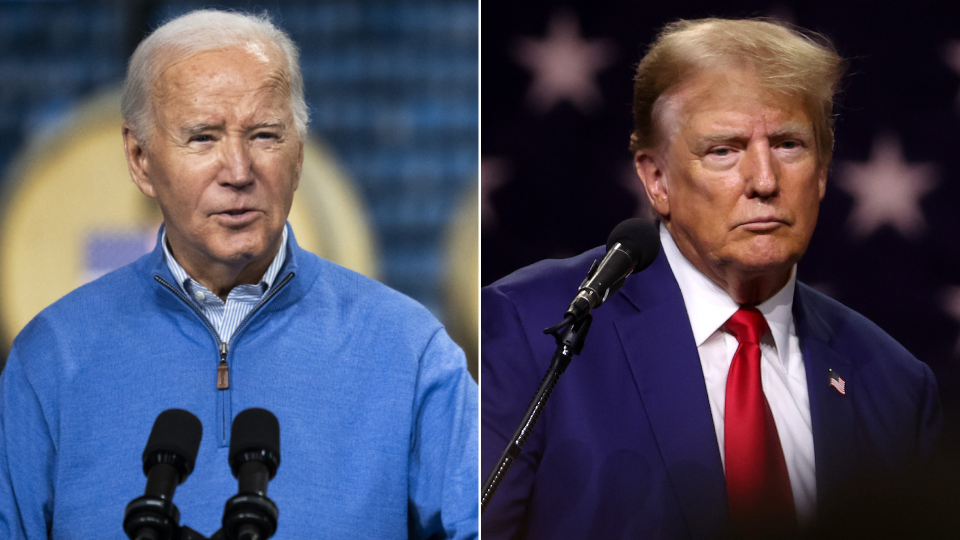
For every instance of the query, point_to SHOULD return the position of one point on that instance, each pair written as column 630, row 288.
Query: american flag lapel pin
column 838, row 383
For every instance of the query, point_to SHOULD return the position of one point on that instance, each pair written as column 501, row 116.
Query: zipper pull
column 223, row 373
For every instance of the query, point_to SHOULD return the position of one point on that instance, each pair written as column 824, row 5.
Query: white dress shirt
column 242, row 299
column 781, row 366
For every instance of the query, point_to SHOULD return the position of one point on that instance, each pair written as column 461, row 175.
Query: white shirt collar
column 709, row 306
column 182, row 277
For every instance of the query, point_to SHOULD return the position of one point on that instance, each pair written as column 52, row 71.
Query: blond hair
column 787, row 61
column 199, row 31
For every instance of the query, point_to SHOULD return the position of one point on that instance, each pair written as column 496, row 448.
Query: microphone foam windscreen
column 639, row 238
column 176, row 431
column 254, row 429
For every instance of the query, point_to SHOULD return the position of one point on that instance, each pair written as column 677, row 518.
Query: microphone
column 631, row 247
column 168, row 460
column 254, row 458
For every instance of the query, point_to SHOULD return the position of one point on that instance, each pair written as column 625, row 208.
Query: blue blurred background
column 392, row 89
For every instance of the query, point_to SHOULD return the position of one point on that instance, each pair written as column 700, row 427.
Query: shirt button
column 200, row 296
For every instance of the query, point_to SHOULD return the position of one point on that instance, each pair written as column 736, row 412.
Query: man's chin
column 765, row 255
column 240, row 251
column 757, row 266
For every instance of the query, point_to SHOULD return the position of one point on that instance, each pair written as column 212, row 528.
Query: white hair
column 195, row 32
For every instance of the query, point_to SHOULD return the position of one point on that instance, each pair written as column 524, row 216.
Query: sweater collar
column 297, row 261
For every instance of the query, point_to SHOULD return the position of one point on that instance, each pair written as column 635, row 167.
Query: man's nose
column 760, row 172
column 238, row 165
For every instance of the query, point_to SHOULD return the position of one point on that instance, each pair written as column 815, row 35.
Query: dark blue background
column 562, row 189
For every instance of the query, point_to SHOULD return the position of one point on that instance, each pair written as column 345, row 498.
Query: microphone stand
column 569, row 343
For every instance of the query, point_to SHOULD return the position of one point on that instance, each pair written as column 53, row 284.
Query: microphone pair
column 168, row 460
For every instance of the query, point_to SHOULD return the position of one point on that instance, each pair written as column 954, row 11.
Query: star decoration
column 951, row 55
column 494, row 173
column 564, row 65
column 886, row 189
column 951, row 304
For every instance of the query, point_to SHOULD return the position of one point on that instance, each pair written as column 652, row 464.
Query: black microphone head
column 255, row 436
column 174, row 439
column 639, row 238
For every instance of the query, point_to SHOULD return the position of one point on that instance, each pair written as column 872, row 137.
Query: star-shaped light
column 494, row 173
column 886, row 189
column 951, row 55
column 564, row 65
column 951, row 304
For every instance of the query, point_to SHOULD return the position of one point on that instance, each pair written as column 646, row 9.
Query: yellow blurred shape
column 74, row 183
column 462, row 278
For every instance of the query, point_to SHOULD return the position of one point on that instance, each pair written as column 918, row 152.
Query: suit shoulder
column 852, row 333
column 841, row 321
column 544, row 278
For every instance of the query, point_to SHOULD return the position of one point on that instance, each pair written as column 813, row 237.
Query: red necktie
column 758, row 486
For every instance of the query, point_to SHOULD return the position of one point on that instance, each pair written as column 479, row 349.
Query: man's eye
column 721, row 152
column 789, row 145
column 201, row 138
column 266, row 135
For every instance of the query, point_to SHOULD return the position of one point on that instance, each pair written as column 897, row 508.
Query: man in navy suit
column 715, row 394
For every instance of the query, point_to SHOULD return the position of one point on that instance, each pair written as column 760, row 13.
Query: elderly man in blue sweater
column 378, row 415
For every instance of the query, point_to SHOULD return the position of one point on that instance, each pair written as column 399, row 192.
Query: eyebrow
column 202, row 127
column 266, row 124
column 789, row 129
column 796, row 129
column 703, row 143
column 197, row 129
column 717, row 138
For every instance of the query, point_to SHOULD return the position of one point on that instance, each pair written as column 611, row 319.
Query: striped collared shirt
column 225, row 316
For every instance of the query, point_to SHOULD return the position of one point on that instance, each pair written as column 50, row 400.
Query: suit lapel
column 659, row 346
column 832, row 414
column 655, row 334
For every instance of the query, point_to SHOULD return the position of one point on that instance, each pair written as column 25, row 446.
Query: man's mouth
column 763, row 224
column 237, row 216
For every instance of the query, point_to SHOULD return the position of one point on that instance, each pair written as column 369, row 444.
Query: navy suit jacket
column 626, row 447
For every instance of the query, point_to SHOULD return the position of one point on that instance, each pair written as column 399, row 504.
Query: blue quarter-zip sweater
column 378, row 416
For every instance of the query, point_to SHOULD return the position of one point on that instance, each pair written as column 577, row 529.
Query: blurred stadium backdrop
column 389, row 186
column 556, row 175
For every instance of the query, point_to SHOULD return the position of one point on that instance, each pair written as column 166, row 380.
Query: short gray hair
column 195, row 32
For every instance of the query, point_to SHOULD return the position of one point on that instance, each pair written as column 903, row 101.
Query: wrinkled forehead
column 170, row 62
column 723, row 89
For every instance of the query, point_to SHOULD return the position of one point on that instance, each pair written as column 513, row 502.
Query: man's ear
column 137, row 162
column 296, row 181
column 650, row 169
column 822, row 181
